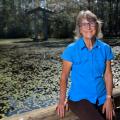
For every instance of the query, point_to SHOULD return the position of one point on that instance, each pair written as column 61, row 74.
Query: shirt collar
column 96, row 44
column 82, row 44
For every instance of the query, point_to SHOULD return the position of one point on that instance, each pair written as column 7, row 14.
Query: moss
column 25, row 76
column 117, row 57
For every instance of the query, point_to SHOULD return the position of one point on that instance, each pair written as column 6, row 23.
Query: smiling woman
column 90, row 93
column 88, row 28
column 91, row 21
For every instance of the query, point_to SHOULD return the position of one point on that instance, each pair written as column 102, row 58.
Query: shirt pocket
column 79, row 60
column 79, row 64
column 100, row 65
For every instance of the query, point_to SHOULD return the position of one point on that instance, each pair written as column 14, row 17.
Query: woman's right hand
column 61, row 108
column 63, row 103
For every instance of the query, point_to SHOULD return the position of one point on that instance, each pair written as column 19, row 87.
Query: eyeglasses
column 86, row 25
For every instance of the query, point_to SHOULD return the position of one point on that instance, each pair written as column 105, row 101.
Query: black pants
column 86, row 110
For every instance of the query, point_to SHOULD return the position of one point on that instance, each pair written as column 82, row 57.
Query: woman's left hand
column 108, row 109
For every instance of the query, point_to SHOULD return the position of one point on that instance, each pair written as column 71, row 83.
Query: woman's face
column 88, row 28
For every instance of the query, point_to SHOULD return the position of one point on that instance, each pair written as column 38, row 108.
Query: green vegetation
column 30, row 72
column 16, row 22
column 117, row 57
column 29, row 76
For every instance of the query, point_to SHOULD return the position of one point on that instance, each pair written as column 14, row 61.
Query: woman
column 89, row 61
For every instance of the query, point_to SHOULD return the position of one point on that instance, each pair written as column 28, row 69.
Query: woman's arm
column 108, row 107
column 66, row 67
column 63, row 81
column 109, row 78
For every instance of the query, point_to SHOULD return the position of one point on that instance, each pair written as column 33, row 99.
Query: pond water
column 29, row 76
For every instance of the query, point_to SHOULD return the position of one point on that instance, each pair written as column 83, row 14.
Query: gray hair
column 90, row 17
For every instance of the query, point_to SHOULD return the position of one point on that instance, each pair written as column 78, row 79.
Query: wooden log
column 49, row 113
column 116, row 92
column 116, row 96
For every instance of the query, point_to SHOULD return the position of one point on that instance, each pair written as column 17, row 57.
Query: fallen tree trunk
column 50, row 114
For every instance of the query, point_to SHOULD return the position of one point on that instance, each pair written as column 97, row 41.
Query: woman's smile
column 87, row 29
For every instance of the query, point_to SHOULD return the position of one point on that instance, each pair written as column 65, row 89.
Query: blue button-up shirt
column 88, row 68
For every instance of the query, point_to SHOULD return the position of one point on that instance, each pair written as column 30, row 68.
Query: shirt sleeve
column 67, row 54
column 109, row 53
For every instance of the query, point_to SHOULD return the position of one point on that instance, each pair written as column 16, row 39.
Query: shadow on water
column 51, row 44
column 56, row 43
column 26, row 41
